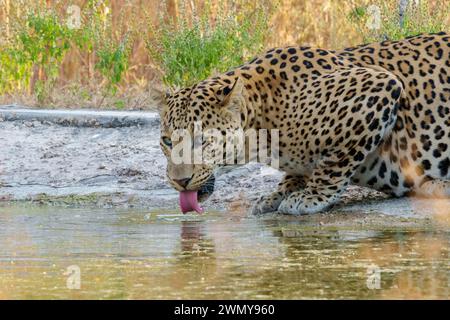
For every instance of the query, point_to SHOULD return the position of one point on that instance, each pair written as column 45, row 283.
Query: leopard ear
column 231, row 98
column 226, row 94
column 159, row 95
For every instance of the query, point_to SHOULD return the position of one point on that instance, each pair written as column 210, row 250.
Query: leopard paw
column 268, row 203
column 303, row 203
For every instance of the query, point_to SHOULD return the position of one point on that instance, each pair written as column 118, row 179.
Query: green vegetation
column 111, row 59
column 188, row 50
column 39, row 47
column 43, row 43
column 31, row 59
column 111, row 52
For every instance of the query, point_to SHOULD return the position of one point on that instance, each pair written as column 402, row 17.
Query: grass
column 188, row 50
column 32, row 56
column 121, row 48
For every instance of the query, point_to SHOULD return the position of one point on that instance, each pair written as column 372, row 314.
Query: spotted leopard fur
column 376, row 115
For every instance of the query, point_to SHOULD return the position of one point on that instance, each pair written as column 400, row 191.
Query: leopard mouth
column 206, row 189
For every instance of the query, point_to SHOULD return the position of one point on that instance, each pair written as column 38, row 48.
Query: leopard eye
column 167, row 141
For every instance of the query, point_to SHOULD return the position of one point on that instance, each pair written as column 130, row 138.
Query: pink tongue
column 188, row 202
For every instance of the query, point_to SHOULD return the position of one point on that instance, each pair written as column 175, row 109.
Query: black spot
column 426, row 142
column 359, row 156
column 396, row 93
column 367, row 59
column 443, row 167
column 385, row 116
column 295, row 68
column 426, row 164
column 382, row 170
column 372, row 181
column 226, row 91
column 369, row 116
column 394, row 179
column 442, row 147
column 391, row 84
column 374, row 124
column 307, row 64
column 437, row 153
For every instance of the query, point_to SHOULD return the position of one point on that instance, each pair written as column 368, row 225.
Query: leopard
column 375, row 115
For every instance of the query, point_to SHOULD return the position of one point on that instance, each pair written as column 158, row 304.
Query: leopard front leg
column 270, row 203
column 321, row 192
column 358, row 134
column 329, row 179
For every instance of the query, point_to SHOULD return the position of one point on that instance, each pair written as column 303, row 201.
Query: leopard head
column 214, row 105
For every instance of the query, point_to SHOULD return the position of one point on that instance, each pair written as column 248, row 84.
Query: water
column 135, row 254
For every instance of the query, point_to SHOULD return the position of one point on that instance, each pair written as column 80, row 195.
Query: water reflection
column 124, row 255
column 412, row 264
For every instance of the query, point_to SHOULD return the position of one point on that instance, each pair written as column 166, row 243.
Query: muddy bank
column 113, row 159
column 99, row 158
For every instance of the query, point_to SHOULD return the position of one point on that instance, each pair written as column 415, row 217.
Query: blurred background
column 110, row 54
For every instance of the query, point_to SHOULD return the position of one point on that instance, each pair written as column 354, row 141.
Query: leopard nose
column 182, row 182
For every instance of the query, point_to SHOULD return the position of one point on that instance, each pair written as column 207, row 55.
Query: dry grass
column 322, row 23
